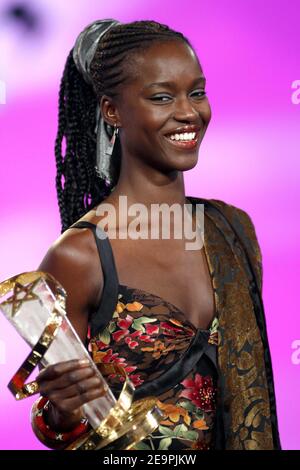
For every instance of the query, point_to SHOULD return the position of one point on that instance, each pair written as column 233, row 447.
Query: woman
column 191, row 329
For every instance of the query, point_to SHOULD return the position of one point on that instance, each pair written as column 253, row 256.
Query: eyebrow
column 170, row 84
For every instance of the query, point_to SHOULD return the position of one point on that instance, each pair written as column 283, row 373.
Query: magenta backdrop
column 250, row 53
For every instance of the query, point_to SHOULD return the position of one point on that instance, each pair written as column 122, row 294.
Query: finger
column 79, row 388
column 67, row 379
column 73, row 403
column 56, row 370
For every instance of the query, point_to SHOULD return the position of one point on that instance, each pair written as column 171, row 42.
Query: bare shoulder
column 74, row 261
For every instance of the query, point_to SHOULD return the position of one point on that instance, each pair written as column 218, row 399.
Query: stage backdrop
column 250, row 54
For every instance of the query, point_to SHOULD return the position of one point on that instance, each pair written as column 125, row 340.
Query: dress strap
column 109, row 299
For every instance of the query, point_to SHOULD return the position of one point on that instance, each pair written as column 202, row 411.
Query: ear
column 109, row 111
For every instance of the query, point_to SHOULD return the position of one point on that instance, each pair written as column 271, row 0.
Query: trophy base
column 137, row 423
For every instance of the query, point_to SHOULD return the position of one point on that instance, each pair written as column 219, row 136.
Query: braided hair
column 78, row 186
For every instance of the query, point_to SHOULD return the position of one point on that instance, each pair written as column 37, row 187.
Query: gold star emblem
column 21, row 294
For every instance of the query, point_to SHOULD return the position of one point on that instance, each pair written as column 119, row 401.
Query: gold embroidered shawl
column 247, row 399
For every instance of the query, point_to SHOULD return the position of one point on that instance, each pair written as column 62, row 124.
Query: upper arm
column 73, row 260
column 245, row 229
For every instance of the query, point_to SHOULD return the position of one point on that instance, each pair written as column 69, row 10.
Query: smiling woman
column 187, row 326
column 165, row 102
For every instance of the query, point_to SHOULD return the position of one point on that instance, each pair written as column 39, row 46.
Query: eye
column 165, row 98
column 200, row 93
column 159, row 97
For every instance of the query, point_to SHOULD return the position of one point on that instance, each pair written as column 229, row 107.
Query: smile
column 187, row 140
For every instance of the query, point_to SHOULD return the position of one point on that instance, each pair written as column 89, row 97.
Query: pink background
column 250, row 54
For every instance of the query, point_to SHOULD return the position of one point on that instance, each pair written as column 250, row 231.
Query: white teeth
column 183, row 136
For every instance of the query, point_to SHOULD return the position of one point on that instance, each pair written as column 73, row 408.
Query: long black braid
column 78, row 186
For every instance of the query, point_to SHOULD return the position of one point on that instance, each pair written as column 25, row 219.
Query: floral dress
column 163, row 354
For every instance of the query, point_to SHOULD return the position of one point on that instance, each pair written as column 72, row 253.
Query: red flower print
column 131, row 344
column 108, row 356
column 101, row 345
column 125, row 323
column 118, row 335
column 200, row 391
column 152, row 329
column 130, row 369
column 136, row 334
column 136, row 379
column 171, row 330
column 146, row 339
column 127, row 368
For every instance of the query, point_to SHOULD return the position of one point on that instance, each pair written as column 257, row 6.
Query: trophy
column 34, row 303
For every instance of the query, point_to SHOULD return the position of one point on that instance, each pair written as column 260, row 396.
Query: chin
column 185, row 162
column 177, row 162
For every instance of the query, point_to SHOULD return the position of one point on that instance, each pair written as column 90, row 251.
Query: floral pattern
column 145, row 336
column 200, row 391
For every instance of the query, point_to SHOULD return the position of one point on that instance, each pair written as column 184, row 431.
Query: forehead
column 167, row 61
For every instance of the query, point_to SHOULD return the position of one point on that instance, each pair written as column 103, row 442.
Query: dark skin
column 151, row 172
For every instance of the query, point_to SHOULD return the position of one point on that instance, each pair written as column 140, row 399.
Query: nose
column 185, row 110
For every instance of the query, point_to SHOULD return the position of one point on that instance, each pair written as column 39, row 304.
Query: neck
column 147, row 185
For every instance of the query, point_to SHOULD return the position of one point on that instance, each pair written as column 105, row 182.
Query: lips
column 187, row 145
column 183, row 129
column 180, row 144
column 191, row 144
